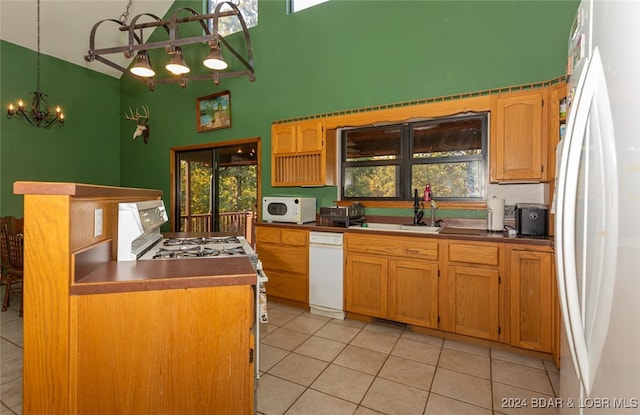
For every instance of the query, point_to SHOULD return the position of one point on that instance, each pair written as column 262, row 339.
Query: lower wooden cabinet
column 384, row 278
column 472, row 302
column 532, row 303
column 501, row 291
column 471, row 289
column 284, row 254
column 182, row 351
column 413, row 292
column 366, row 285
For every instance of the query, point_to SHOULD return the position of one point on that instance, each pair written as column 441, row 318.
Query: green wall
column 343, row 54
column 85, row 149
column 350, row 54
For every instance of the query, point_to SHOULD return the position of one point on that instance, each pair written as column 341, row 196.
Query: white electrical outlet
column 97, row 223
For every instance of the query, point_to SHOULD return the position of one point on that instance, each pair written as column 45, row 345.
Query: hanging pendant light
column 142, row 67
column 242, row 62
column 214, row 60
column 40, row 113
column 176, row 65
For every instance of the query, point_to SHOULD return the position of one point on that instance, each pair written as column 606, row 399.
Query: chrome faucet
column 434, row 206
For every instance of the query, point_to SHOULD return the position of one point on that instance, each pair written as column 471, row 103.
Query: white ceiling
column 65, row 27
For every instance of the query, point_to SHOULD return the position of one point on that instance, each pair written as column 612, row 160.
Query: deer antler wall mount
column 142, row 126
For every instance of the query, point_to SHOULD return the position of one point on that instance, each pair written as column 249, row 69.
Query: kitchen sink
column 398, row 227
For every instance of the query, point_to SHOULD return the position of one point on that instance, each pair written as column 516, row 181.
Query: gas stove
column 139, row 238
column 199, row 247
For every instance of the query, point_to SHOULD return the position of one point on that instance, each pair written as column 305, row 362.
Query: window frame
column 406, row 161
column 291, row 6
column 210, row 8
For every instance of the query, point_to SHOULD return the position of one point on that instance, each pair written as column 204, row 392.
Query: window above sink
column 387, row 162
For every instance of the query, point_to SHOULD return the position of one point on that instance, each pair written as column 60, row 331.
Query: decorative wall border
column 454, row 97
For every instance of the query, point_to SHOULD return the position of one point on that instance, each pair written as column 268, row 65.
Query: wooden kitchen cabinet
column 471, row 290
column 302, row 154
column 556, row 316
column 206, row 331
column 556, row 127
column 518, row 144
column 297, row 137
column 497, row 291
column 532, row 301
column 285, row 257
column 413, row 292
column 394, row 278
column 366, row 284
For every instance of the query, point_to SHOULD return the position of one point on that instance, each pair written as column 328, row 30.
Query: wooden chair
column 11, row 225
column 12, row 249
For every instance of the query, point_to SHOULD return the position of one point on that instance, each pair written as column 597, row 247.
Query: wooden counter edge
column 162, row 284
column 80, row 190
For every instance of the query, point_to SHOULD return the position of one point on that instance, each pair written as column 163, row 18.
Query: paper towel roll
column 495, row 214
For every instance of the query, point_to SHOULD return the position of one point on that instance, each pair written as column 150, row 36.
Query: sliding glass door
column 216, row 188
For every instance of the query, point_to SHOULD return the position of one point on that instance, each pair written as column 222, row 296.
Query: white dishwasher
column 325, row 274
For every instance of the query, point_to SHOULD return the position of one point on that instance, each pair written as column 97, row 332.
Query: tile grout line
column 320, row 374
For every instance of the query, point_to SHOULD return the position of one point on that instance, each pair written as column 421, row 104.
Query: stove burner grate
column 198, row 251
column 201, row 240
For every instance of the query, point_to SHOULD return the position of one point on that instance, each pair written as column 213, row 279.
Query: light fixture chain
column 38, row 56
column 125, row 16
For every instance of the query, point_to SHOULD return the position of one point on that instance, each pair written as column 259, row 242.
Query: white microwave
column 289, row 209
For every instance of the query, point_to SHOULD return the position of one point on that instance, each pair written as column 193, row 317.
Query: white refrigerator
column 597, row 208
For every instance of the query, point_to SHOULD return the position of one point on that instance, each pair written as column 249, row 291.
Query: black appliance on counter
column 532, row 219
column 342, row 216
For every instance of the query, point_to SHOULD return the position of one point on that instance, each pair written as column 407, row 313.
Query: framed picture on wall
column 213, row 112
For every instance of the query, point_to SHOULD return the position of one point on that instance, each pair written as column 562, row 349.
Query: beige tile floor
column 311, row 364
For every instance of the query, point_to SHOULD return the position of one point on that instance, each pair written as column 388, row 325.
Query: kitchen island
column 135, row 337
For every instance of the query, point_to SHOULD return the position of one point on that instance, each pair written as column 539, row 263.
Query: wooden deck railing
column 237, row 223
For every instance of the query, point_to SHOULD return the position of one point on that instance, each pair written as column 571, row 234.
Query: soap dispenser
column 427, row 193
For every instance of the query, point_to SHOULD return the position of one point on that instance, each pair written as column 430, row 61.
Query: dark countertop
column 480, row 235
column 97, row 274
column 163, row 274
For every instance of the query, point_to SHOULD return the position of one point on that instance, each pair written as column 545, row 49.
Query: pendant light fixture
column 176, row 65
column 214, row 60
column 215, row 64
column 142, row 66
column 39, row 113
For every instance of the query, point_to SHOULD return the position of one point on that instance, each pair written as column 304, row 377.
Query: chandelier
column 179, row 72
column 39, row 113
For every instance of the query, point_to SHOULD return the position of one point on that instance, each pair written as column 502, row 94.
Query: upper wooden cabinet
column 556, row 125
column 297, row 137
column 302, row 154
column 518, row 145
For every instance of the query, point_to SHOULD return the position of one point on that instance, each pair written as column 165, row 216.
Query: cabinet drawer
column 282, row 236
column 290, row 287
column 268, row 235
column 294, row 238
column 474, row 253
column 277, row 257
column 398, row 246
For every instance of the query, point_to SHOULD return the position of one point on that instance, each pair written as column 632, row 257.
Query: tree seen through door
column 221, row 199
